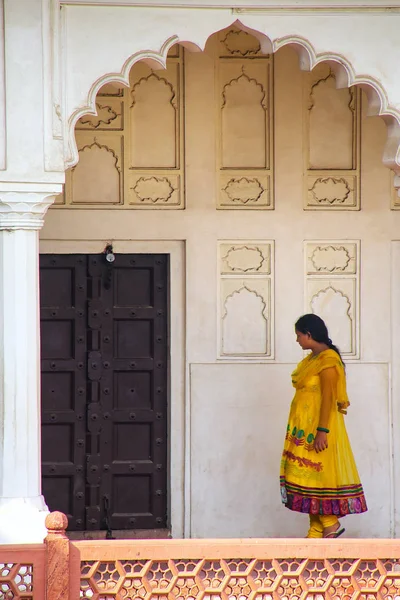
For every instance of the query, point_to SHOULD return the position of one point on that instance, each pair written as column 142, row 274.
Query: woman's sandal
column 335, row 534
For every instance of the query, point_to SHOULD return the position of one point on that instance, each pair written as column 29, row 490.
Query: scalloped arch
column 378, row 103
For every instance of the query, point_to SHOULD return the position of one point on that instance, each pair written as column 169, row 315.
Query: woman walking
column 318, row 472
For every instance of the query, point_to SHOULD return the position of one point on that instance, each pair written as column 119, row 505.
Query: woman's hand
column 321, row 441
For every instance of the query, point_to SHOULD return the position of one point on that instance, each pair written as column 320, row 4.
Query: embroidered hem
column 342, row 501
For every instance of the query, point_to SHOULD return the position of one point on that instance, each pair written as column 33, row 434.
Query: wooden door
column 104, row 329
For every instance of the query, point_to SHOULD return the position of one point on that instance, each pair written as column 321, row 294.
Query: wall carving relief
column 128, row 169
column 156, row 190
column 245, row 258
column 245, row 315
column 110, row 90
column 109, row 116
column 153, row 115
column 239, row 43
column 97, row 178
column 244, row 191
column 332, row 289
column 251, row 339
column 333, row 140
column 331, row 191
column 244, row 83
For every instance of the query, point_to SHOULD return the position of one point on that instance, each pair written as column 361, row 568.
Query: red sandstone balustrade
column 22, row 572
column 271, row 569
column 58, row 557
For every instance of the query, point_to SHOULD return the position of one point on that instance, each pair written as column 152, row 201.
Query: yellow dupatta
column 313, row 365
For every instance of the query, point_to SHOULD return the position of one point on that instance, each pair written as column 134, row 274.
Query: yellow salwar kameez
column 327, row 482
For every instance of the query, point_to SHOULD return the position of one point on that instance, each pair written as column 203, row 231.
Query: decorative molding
column 369, row 7
column 332, row 271
column 332, row 259
column 128, row 137
column 332, row 192
column 97, row 179
column 244, row 190
column 250, row 191
column 106, row 115
column 335, row 307
column 155, row 113
column 153, row 189
column 245, row 288
column 96, row 144
column 329, row 262
column 154, row 171
column 245, row 259
column 244, row 80
column 331, row 165
column 380, row 100
column 153, row 76
column 251, row 340
column 111, row 90
column 245, row 313
column 239, row 43
column 352, row 97
column 245, row 119
column 25, row 210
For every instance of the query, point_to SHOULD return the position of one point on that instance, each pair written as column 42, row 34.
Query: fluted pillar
column 22, row 506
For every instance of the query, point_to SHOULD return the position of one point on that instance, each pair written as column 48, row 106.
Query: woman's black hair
column 315, row 326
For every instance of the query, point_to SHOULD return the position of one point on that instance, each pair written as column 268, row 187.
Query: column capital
column 23, row 206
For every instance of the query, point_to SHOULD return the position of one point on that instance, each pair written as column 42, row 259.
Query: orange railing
column 255, row 569
column 22, row 572
column 240, row 569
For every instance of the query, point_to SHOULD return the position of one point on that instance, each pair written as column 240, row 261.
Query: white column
column 22, row 506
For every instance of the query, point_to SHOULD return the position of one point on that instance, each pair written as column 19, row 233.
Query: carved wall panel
column 151, row 190
column 235, row 43
column 131, row 152
column 245, row 118
column 332, row 138
column 245, row 316
column 154, row 136
column 332, row 289
column 98, row 177
column 109, row 116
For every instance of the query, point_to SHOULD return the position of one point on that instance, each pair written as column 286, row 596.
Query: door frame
column 177, row 358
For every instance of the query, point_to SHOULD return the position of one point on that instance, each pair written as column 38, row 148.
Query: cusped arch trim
column 308, row 59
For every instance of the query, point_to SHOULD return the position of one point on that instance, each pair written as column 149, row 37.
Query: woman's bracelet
column 323, row 429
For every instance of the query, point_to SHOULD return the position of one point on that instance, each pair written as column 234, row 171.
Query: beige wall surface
column 273, row 180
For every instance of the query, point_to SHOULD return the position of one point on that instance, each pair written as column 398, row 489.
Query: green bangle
column 323, row 429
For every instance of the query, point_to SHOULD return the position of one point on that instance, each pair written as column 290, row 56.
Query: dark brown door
column 104, row 336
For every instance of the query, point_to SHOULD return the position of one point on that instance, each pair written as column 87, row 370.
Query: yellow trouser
column 320, row 522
